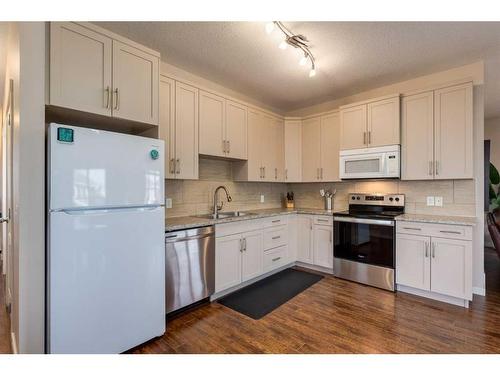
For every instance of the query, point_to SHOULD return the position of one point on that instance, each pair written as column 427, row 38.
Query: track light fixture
column 295, row 40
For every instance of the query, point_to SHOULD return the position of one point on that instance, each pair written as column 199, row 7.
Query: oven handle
column 387, row 223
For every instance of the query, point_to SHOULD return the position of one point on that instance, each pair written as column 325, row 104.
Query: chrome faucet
column 218, row 207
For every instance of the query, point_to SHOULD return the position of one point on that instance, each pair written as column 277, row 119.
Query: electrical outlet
column 262, row 198
column 438, row 201
column 168, row 202
column 430, row 201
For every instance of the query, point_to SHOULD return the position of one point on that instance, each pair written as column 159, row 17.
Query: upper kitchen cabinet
column 370, row 124
column 96, row 71
column 135, row 84
column 179, row 128
column 223, row 127
column 320, row 148
column 437, row 134
column 266, row 161
column 293, row 150
column 80, row 68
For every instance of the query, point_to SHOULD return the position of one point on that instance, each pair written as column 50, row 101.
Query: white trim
column 431, row 295
column 479, row 291
column 13, row 343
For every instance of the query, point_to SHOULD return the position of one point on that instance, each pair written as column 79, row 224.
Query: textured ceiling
column 351, row 56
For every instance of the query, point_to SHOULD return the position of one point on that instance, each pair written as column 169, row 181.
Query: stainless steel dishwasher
column 190, row 266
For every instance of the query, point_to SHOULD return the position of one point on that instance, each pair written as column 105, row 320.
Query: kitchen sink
column 225, row 215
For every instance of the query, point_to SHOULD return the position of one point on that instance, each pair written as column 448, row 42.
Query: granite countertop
column 438, row 219
column 187, row 222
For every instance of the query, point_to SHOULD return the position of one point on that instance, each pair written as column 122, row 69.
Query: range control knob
column 358, row 198
column 397, row 199
column 353, row 198
column 391, row 199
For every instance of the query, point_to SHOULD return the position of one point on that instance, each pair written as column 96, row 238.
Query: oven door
column 364, row 240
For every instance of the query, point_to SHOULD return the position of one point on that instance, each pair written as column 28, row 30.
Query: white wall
column 492, row 132
column 26, row 66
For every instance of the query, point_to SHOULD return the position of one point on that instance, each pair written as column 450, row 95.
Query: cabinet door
column 136, row 77
column 293, row 233
column 417, row 137
column 453, row 138
column 323, row 246
column 212, row 128
column 228, row 252
column 304, row 243
column 413, row 265
column 255, row 145
column 278, row 171
column 353, row 127
column 80, row 68
column 330, row 147
column 383, row 122
column 167, row 123
column 186, row 131
column 268, row 150
column 236, row 130
column 253, row 251
column 311, row 154
column 451, row 267
column 293, row 151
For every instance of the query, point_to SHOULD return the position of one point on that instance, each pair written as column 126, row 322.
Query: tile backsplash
column 194, row 197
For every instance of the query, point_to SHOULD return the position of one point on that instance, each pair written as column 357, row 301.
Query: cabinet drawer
column 275, row 258
column 458, row 232
column 274, row 221
column 275, row 237
column 323, row 220
column 227, row 229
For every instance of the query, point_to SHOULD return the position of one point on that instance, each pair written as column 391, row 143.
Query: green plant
column 494, row 187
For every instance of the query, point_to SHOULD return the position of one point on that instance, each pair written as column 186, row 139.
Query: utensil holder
column 328, row 203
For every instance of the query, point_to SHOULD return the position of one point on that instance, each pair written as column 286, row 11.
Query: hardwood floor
column 336, row 316
column 4, row 320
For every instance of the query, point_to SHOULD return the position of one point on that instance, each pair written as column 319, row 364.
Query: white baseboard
column 436, row 296
column 13, row 343
column 479, row 291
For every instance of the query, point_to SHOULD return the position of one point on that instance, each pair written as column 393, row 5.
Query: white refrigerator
column 105, row 240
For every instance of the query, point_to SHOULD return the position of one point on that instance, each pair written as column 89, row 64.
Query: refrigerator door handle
column 94, row 210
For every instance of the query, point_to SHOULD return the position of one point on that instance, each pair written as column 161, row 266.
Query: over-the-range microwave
column 371, row 162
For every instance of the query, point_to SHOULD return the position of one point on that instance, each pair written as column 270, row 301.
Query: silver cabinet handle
column 241, row 245
column 321, row 172
column 275, row 173
column 364, row 138
column 276, row 237
column 275, row 221
column 437, row 167
column 224, row 146
column 286, row 174
column 433, row 249
column 244, row 244
column 178, row 166
column 369, row 137
column 323, row 220
column 430, row 167
column 116, row 102
column 228, row 147
column 108, row 92
column 275, row 259
column 331, row 237
column 426, row 249
column 171, row 168
column 263, row 172
column 408, row 228
column 317, row 173
column 450, row 231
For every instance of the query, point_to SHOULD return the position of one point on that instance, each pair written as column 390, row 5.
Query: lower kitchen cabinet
column 252, row 255
column 437, row 260
column 304, row 241
column 323, row 246
column 227, row 262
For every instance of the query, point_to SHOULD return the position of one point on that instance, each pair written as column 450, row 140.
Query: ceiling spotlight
column 269, row 27
column 297, row 41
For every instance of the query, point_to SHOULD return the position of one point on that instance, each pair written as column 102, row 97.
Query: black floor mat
column 262, row 297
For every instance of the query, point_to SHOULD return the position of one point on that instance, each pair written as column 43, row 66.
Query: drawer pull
column 323, row 220
column 276, row 221
column 275, row 238
column 450, row 231
column 408, row 228
column 275, row 259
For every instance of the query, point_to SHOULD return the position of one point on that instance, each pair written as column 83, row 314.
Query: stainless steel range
column 365, row 239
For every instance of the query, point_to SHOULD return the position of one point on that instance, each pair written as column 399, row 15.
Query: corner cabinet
column 93, row 70
column 370, row 124
column 320, row 148
column 179, row 128
column 433, row 122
